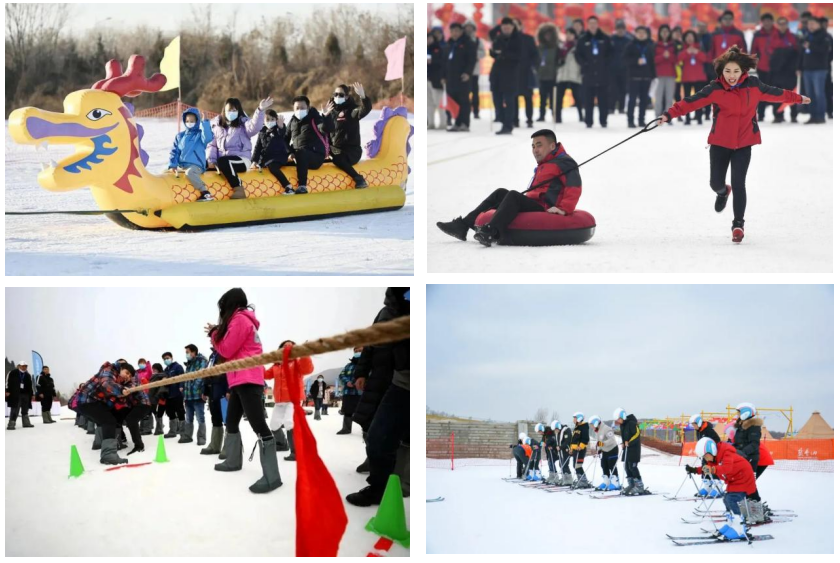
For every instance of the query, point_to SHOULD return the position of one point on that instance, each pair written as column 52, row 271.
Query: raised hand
column 360, row 90
column 281, row 121
column 266, row 103
column 330, row 106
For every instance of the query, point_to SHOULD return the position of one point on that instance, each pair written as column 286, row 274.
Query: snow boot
column 268, row 460
column 97, row 440
column 201, row 435
column 346, row 425
column 721, row 199
column 457, row 228
column 158, row 425
column 552, row 477
column 44, row 417
column 233, row 454
column 365, row 497
column 737, row 231
column 91, row 427
column 222, row 454
column 364, row 467
column 317, row 414
column 486, row 235
column 604, row 483
column 614, row 484
column 78, row 421
column 280, row 440
column 402, row 468
column 11, row 425
column 186, row 433
column 215, row 446
column 26, row 423
column 146, row 426
column 291, row 439
column 568, row 479
column 122, row 441
column 173, row 428
column 138, row 447
column 109, row 455
column 582, row 482
column 630, row 486
column 50, row 418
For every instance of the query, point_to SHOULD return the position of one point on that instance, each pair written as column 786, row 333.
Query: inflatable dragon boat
column 109, row 159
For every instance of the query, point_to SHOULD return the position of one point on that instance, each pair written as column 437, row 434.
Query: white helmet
column 539, row 427
column 523, row 436
column 696, row 420
column 527, row 440
column 705, row 446
column 578, row 417
column 595, row 421
column 555, row 425
column 619, row 413
column 746, row 410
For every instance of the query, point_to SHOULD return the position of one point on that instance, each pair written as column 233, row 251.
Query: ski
column 620, row 495
column 716, row 519
column 709, row 537
column 708, row 541
column 669, row 497
column 511, row 479
column 785, row 513
column 438, row 499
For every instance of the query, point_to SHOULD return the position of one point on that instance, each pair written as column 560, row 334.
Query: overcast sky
column 500, row 352
column 77, row 329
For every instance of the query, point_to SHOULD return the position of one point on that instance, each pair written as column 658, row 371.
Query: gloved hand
column 707, row 470
column 690, row 470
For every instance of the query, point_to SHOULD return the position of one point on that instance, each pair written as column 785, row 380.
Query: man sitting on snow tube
column 555, row 188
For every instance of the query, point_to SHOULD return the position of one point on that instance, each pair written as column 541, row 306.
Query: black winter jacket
column 816, row 56
column 46, row 387
column 631, row 436
column 707, row 432
column 748, row 439
column 309, row 132
column 507, row 50
column 460, row 60
column 593, row 54
column 18, row 384
column 346, row 117
column 435, row 70
column 271, row 147
column 632, row 53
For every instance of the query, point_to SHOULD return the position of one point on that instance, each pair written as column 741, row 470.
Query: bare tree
column 541, row 415
column 555, row 415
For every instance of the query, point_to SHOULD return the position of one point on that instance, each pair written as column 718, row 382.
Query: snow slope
column 650, row 198
column 181, row 508
column 378, row 243
column 482, row 513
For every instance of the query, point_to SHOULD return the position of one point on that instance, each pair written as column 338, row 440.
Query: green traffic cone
column 389, row 521
column 161, row 451
column 76, row 467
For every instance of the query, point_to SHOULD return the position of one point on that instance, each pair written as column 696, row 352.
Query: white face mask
column 270, row 124
column 191, row 124
column 339, row 100
column 302, row 113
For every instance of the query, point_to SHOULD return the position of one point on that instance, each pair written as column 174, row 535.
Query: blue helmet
column 555, row 425
column 705, row 446
column 746, row 410
column 539, row 427
column 578, row 417
column 595, row 421
column 696, row 420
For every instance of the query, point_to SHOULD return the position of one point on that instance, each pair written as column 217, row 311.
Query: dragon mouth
column 90, row 143
column 84, row 158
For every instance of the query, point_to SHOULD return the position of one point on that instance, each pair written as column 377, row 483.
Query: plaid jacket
column 194, row 388
column 101, row 388
column 345, row 377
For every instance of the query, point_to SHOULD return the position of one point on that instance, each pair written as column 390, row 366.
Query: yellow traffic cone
column 389, row 521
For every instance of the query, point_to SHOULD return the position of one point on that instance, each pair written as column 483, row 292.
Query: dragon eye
column 97, row 114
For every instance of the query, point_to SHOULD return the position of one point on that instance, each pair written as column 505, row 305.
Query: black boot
column 26, row 423
column 720, row 201
column 280, row 440
column 364, row 467
column 346, row 425
column 455, row 228
column 270, row 479
column 109, row 455
column 487, row 235
column 233, row 454
column 365, row 497
column 291, row 437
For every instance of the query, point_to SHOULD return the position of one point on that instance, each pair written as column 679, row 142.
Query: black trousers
column 637, row 93
column 306, row 160
column 546, row 95
column 131, row 418
column 274, row 168
column 510, row 101
column 602, row 92
column 521, row 460
column 720, row 159
column 247, row 399
column 618, row 90
column 461, row 96
column 101, row 415
column 829, row 94
column 390, row 425
column 631, row 469
column 565, row 462
column 498, row 102
column 688, row 88
column 474, row 93
column 577, row 459
column 507, row 204
column 216, row 413
column 576, row 94
column 528, row 94
column 175, row 408
column 230, row 166
column 158, row 410
column 608, row 461
column 764, row 76
column 22, row 407
column 345, row 160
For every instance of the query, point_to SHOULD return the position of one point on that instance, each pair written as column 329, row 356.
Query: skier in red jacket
column 735, row 96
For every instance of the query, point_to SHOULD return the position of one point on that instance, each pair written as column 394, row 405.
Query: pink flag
column 396, row 59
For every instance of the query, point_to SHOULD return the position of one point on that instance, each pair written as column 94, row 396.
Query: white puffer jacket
column 606, row 438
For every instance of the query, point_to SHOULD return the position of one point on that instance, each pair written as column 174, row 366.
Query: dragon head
column 98, row 125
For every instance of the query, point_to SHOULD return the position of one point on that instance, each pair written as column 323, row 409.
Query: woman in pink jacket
column 235, row 337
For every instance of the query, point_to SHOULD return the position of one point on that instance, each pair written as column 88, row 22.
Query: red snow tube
column 537, row 228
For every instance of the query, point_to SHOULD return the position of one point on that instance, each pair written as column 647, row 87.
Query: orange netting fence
column 792, row 450
column 172, row 109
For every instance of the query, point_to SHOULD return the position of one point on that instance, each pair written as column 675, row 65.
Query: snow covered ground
column 482, row 513
column 180, row 508
column 650, row 198
column 378, row 243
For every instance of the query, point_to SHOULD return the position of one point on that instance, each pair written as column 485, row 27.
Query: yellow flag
column 170, row 66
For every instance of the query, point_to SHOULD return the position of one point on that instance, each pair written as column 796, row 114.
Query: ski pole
column 681, row 485
column 707, row 507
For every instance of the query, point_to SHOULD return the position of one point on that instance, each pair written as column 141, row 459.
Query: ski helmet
column 578, row 416
column 523, row 437
column 539, row 427
column 705, row 446
column 555, row 425
column 747, row 410
column 595, row 421
column 730, row 432
column 696, row 420
column 527, row 441
column 619, row 413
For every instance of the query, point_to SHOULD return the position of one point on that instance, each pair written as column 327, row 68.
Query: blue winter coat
column 172, row 370
column 190, row 144
column 193, row 389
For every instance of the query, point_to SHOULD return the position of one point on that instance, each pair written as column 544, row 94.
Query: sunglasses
column 338, row 94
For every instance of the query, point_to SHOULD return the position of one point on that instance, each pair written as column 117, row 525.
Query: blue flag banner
column 37, row 366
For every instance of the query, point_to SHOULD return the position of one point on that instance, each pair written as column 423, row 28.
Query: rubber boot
column 11, row 425
column 186, row 433
column 158, row 425
column 280, row 440
column 291, row 437
column 346, row 425
column 97, row 440
column 26, row 423
column 91, row 427
column 233, row 454
column 216, row 434
column 50, row 418
column 146, row 426
column 109, row 455
column 201, row 435
column 402, row 468
column 317, row 414
column 44, row 417
column 268, row 460
column 173, row 428
column 222, row 454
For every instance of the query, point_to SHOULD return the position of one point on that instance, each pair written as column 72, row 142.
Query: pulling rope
column 99, row 212
column 380, row 333
column 644, row 130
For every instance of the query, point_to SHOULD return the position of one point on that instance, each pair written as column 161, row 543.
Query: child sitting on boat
column 188, row 150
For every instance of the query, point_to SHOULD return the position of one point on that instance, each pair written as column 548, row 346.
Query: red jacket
column 786, row 40
column 299, row 368
column 556, row 182
column 735, row 470
column 665, row 67
column 144, row 375
column 764, row 457
column 734, row 123
column 762, row 45
column 692, row 71
column 723, row 39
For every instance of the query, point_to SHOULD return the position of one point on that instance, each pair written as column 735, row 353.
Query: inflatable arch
column 109, row 159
